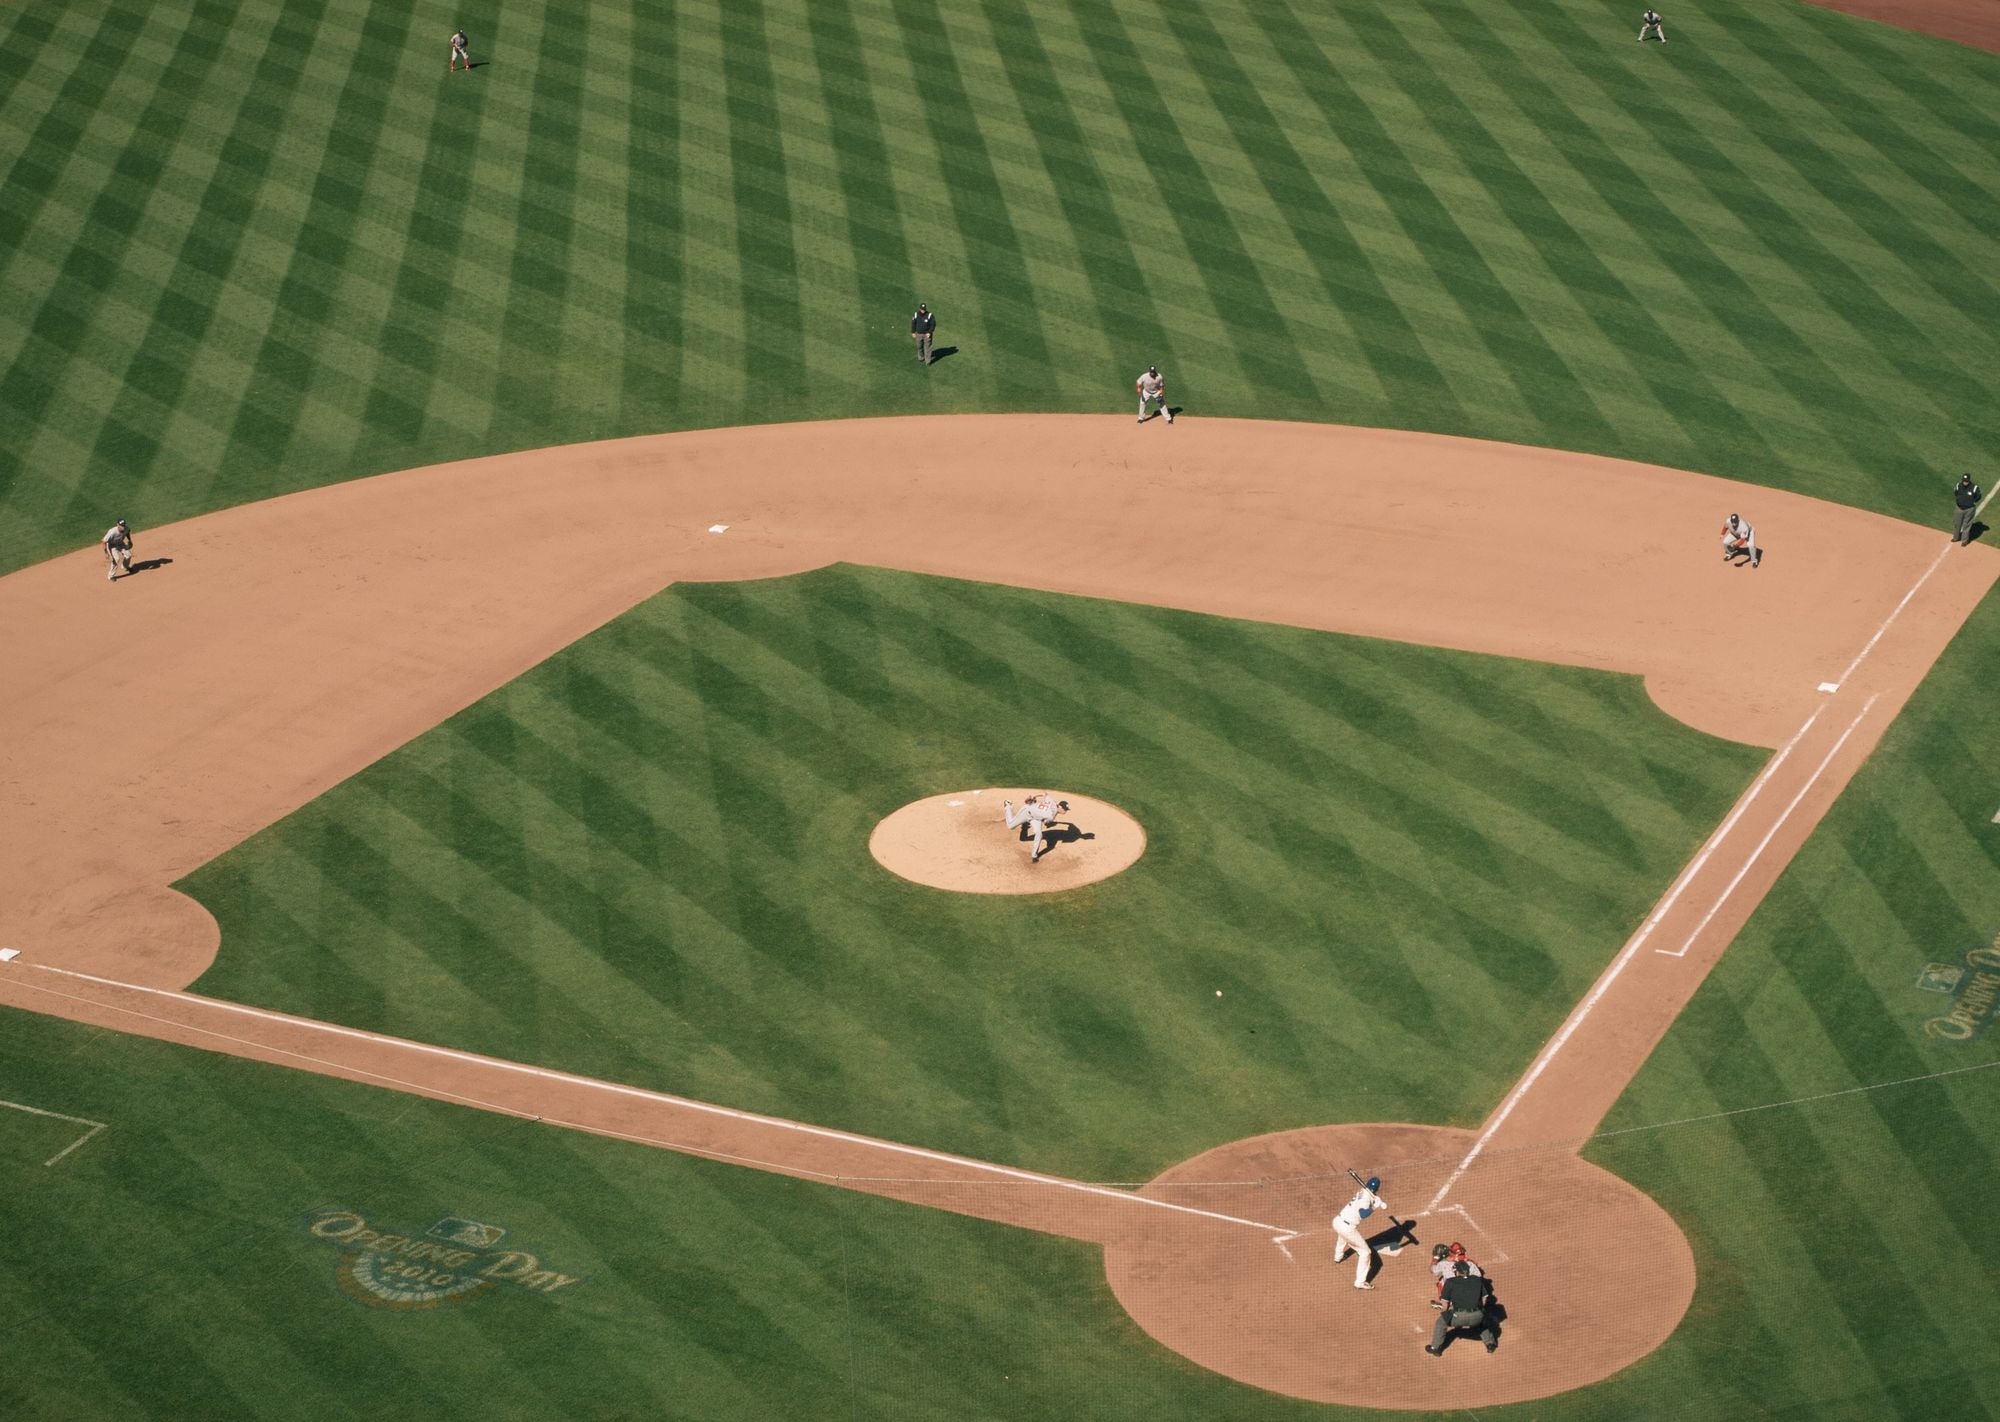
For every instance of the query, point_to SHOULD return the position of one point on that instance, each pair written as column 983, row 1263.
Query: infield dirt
column 149, row 725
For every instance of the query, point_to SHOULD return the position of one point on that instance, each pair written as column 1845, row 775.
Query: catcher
column 117, row 543
column 1739, row 540
column 1444, row 1261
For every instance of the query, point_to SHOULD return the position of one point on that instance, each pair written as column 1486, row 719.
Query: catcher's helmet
column 1440, row 1251
column 1374, row 1182
column 1457, row 1250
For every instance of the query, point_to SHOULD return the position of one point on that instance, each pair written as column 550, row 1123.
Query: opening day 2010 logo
column 454, row 1260
column 1973, row 984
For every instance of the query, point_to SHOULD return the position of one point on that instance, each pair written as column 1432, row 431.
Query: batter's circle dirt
column 959, row 841
column 1592, row 1273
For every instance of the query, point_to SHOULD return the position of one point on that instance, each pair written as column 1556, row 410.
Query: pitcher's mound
column 960, row 841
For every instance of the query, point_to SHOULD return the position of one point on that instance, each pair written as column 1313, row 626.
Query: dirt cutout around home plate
column 1541, row 1223
column 960, row 841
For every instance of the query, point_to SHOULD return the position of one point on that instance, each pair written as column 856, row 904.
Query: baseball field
column 449, row 958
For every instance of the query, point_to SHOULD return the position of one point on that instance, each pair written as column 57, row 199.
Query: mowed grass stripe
column 654, row 253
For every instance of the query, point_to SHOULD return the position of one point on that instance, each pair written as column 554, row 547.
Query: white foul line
column 1861, row 655
column 1779, row 824
column 95, row 1127
column 1278, row 1232
column 1736, row 812
column 1638, row 941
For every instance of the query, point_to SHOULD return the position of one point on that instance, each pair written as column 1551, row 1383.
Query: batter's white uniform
column 1038, row 811
column 1153, row 391
column 1347, row 1233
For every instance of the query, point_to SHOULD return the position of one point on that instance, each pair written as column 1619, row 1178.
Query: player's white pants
column 1659, row 30
column 1349, row 1237
column 1748, row 542
column 1159, row 399
column 1022, row 816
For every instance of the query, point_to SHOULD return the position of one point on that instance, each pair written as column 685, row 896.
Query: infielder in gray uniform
column 117, row 543
column 1152, row 388
column 1739, row 540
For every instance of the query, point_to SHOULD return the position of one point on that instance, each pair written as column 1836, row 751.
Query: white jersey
column 1446, row 1268
column 1043, row 810
column 1364, row 1204
column 116, row 536
column 1151, row 384
column 1739, row 529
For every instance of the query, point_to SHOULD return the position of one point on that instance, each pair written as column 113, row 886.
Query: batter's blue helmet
column 1374, row 1182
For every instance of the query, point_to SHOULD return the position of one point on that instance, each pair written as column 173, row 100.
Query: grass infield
column 647, row 860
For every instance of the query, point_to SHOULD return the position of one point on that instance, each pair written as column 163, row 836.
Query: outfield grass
column 647, row 860
column 248, row 247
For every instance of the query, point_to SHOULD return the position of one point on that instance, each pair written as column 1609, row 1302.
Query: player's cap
column 1374, row 1182
column 121, row 523
column 1062, row 804
column 1152, row 370
column 922, row 307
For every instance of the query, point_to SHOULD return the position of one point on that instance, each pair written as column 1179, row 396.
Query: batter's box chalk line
column 95, row 1127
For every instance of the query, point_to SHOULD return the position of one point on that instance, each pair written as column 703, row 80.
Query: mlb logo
column 1940, row 977
column 467, row 1232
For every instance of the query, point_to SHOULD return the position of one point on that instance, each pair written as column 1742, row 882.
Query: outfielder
column 1038, row 812
column 117, row 543
column 1651, row 21
column 1347, row 1230
column 1740, row 539
column 459, row 51
column 1152, row 387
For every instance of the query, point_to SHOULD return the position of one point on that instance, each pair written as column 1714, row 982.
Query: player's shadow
column 1396, row 1237
column 938, row 353
column 146, row 565
column 1741, row 558
column 1060, row 833
column 1972, row 533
